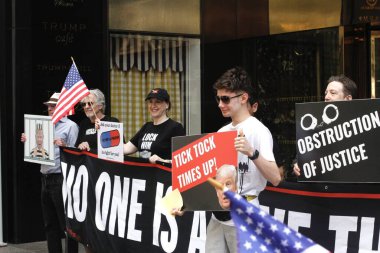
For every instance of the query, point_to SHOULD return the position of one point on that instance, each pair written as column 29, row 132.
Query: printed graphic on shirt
column 90, row 131
column 147, row 140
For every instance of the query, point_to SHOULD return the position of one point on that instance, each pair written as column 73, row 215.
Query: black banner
column 113, row 207
column 343, row 218
column 338, row 142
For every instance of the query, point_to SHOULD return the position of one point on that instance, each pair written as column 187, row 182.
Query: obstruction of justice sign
column 338, row 142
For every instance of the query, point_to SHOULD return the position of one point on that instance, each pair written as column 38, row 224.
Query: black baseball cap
column 158, row 93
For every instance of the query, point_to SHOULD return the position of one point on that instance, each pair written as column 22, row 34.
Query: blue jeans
column 54, row 215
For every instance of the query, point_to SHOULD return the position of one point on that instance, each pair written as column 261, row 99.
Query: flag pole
column 73, row 61
column 215, row 183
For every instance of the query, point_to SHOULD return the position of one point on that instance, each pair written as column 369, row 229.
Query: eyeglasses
column 83, row 104
column 226, row 99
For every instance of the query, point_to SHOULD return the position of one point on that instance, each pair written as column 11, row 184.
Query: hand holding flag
column 73, row 91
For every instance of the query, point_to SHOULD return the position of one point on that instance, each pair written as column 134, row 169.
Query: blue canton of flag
column 74, row 90
column 258, row 231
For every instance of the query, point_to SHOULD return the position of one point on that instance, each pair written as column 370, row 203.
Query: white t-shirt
column 250, row 179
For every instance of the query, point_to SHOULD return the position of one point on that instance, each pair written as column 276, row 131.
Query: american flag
column 259, row 232
column 73, row 90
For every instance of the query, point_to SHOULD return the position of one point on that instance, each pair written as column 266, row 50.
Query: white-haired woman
column 94, row 106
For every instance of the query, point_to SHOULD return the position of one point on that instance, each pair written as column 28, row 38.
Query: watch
column 255, row 155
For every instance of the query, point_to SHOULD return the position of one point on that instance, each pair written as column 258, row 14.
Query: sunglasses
column 226, row 99
column 83, row 104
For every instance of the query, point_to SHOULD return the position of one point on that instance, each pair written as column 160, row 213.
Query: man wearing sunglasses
column 254, row 144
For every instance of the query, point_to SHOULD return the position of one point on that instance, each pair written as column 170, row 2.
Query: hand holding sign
column 242, row 145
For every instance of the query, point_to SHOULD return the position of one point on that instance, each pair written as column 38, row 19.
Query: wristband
column 255, row 155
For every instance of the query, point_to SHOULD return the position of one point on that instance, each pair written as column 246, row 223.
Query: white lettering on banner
column 64, row 184
column 119, row 206
column 135, row 209
column 279, row 214
column 295, row 219
column 163, row 237
column 298, row 219
column 366, row 235
column 342, row 225
column 68, row 181
column 104, row 182
column 167, row 244
column 197, row 243
column 157, row 214
column 81, row 181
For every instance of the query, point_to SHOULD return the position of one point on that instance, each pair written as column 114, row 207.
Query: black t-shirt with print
column 156, row 139
column 87, row 132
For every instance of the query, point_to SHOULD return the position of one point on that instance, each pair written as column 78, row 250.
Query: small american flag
column 259, row 232
column 73, row 90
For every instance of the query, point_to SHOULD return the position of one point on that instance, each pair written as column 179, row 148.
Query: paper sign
column 110, row 141
column 172, row 200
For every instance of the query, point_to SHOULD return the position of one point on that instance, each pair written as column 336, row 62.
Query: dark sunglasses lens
column 225, row 99
column 86, row 103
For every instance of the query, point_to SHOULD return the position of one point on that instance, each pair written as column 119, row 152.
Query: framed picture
column 39, row 145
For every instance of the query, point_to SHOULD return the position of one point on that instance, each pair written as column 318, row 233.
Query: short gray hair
column 226, row 170
column 100, row 99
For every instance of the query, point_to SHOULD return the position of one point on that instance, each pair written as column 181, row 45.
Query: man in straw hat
column 65, row 135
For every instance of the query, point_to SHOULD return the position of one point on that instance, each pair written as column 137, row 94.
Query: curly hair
column 234, row 80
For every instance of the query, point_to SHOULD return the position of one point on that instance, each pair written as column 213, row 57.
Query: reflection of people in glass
column 39, row 151
column 226, row 175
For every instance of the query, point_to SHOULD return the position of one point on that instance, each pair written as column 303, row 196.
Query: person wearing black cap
column 153, row 140
column 65, row 135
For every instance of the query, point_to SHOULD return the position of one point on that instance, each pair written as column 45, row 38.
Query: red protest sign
column 200, row 156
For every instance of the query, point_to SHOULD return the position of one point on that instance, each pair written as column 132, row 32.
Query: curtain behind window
column 139, row 64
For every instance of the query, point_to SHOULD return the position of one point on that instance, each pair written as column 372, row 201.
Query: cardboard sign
column 196, row 158
column 110, row 141
column 338, row 142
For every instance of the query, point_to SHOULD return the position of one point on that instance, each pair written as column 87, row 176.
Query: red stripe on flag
column 69, row 99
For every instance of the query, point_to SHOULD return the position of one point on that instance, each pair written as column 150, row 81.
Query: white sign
column 110, row 141
column 39, row 144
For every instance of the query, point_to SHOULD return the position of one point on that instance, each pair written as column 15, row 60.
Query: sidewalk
column 33, row 247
